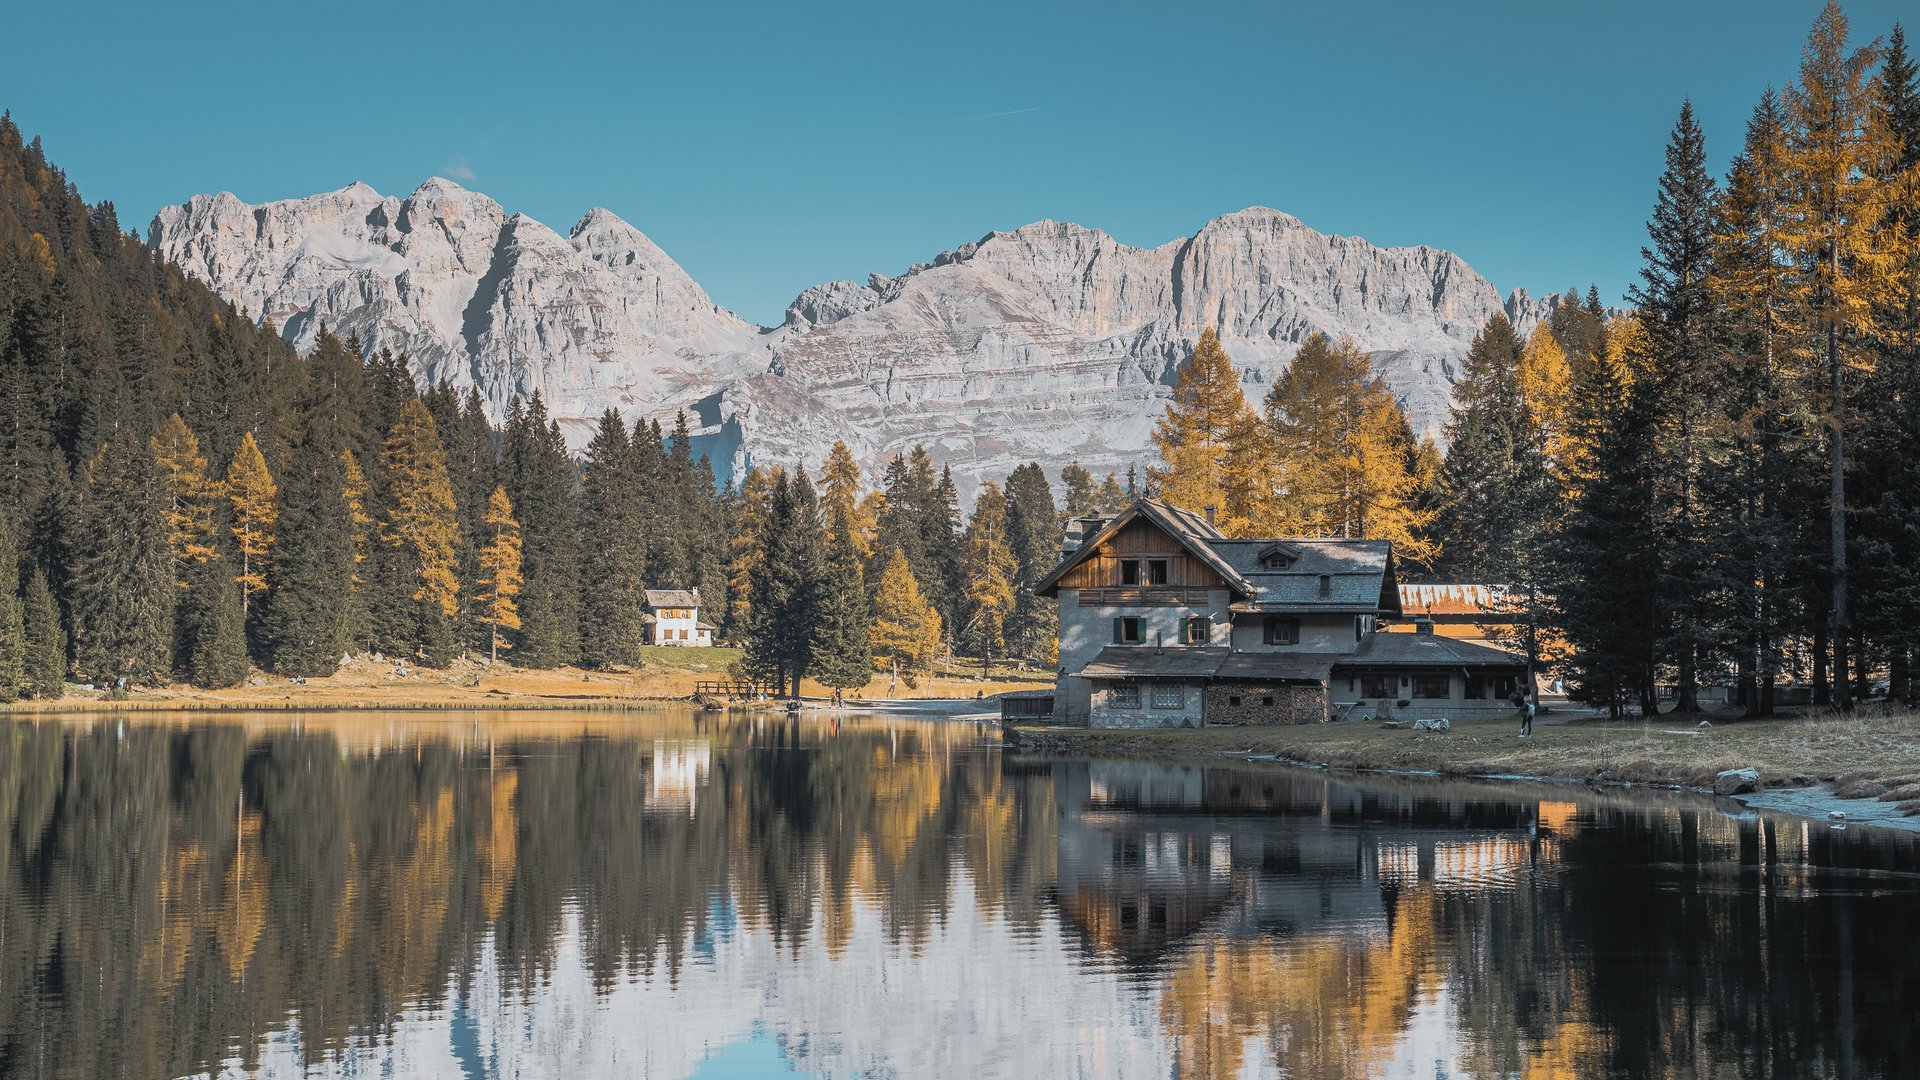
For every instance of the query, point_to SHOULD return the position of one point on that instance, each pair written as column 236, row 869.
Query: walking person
column 1527, row 709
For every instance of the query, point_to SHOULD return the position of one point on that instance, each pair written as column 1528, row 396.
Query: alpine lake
column 665, row 894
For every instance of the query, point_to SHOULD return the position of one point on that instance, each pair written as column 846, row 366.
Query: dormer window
column 1278, row 556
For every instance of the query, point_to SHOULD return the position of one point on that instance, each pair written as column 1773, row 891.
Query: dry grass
column 1867, row 755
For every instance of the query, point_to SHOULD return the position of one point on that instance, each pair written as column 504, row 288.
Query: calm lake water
column 660, row 895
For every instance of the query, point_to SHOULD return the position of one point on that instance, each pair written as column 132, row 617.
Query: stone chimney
column 1210, row 509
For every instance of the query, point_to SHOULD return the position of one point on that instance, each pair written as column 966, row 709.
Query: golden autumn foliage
column 359, row 522
column 253, row 497
column 191, row 493
column 906, row 629
column 1203, row 439
column 499, row 569
column 422, row 519
column 1343, row 456
column 988, row 568
column 1546, row 386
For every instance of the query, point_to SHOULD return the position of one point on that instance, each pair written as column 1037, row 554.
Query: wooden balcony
column 1144, row 596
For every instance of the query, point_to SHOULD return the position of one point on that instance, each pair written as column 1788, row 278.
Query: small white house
column 673, row 618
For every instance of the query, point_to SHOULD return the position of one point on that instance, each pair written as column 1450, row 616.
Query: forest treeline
column 1719, row 486
column 188, row 498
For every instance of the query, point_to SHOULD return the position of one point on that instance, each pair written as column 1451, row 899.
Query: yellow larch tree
column 422, row 520
column 254, row 500
column 988, row 568
column 1546, row 387
column 1207, row 441
column 841, row 499
column 191, row 495
column 906, row 629
column 1345, row 460
column 499, row 570
column 359, row 521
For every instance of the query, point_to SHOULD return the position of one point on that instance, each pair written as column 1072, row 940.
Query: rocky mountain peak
column 1048, row 342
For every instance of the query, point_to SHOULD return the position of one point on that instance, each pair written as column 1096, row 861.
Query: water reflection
column 597, row 895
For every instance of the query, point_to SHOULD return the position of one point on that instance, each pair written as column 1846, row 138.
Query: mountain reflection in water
column 664, row 895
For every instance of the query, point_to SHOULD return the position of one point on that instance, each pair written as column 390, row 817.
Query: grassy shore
column 1873, row 754
column 664, row 674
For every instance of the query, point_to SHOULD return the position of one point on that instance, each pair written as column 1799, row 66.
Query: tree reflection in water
column 612, row 895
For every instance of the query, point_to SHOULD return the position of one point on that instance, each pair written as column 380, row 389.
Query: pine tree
column 906, row 629
column 317, row 603
column 499, row 582
column 1677, row 399
column 45, row 665
column 841, row 656
column 613, row 548
column 121, row 576
column 988, row 569
column 1496, row 496
column 1111, row 498
column 940, row 537
column 13, row 632
column 1082, row 495
column 784, row 585
column 421, row 525
column 214, row 628
column 251, row 499
column 746, row 546
column 1033, row 534
column 539, row 478
column 1207, row 418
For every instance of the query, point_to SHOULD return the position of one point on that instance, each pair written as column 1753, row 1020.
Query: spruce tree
column 317, row 582
column 1678, row 399
column 215, row 630
column 1033, row 533
column 45, row 640
column 613, row 549
column 840, row 652
column 1082, row 494
column 121, row 576
column 784, row 585
column 1495, row 485
column 539, row 478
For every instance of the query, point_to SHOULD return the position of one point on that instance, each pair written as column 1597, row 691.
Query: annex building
column 1164, row 622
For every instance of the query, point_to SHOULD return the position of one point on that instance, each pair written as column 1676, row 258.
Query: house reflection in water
column 679, row 768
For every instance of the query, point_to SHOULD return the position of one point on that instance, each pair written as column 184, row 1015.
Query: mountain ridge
column 1049, row 342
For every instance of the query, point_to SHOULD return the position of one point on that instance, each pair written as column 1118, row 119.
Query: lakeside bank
column 1838, row 761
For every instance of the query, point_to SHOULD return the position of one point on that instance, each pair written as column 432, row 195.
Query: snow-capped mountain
column 1048, row 343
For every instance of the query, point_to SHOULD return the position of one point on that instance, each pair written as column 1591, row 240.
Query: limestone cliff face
column 1051, row 342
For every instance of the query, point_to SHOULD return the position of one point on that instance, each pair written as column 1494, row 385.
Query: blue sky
column 770, row 146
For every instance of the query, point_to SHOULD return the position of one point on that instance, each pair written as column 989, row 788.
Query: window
column 1128, row 631
column 1281, row 630
column 1233, row 701
column 1123, row 695
column 1169, row 696
column 1326, row 586
column 1198, row 630
column 1479, row 688
column 1267, row 700
column 1129, row 572
column 1432, row 686
column 1156, row 571
column 1376, row 686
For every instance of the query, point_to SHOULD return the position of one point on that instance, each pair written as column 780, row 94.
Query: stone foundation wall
column 1265, row 703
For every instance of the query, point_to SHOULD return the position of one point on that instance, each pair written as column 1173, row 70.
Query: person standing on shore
column 1527, row 709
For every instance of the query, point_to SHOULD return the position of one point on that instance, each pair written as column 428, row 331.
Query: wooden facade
column 1141, row 543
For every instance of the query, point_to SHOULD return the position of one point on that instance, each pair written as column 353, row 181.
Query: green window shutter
column 1183, row 632
column 1116, row 631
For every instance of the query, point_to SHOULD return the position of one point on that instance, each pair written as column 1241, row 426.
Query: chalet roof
column 659, row 598
column 1359, row 573
column 1154, row 662
column 1187, row 528
column 1428, row 650
column 1277, row 666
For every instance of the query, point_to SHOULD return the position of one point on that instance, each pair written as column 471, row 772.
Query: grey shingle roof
column 1277, row 666
column 1149, row 661
column 659, row 598
column 1355, row 571
column 1408, row 650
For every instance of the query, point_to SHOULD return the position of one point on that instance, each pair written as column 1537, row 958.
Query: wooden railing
column 736, row 689
column 1148, row 595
